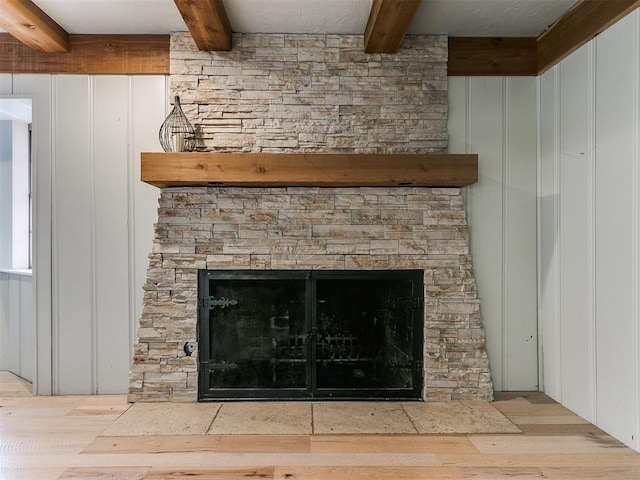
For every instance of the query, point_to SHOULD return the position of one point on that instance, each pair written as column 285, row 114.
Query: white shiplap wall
column 17, row 324
column 97, row 217
column 495, row 117
column 93, row 222
column 589, row 230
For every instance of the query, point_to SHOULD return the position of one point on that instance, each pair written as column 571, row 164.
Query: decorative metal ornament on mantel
column 176, row 133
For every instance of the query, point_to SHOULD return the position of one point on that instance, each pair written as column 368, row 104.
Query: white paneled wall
column 5, row 321
column 17, row 325
column 495, row 117
column 93, row 222
column 589, row 230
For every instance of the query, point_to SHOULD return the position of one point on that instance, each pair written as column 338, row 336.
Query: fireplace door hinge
column 414, row 365
column 223, row 366
column 212, row 302
column 414, row 302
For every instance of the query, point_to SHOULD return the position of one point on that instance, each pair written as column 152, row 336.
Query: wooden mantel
column 308, row 169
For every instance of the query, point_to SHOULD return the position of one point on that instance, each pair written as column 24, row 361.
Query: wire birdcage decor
column 176, row 133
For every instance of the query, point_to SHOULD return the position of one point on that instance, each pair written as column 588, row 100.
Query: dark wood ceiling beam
column 28, row 23
column 469, row 56
column 388, row 23
column 149, row 54
column 207, row 22
column 579, row 25
column 90, row 54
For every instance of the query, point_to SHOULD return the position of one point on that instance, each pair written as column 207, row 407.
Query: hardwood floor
column 48, row 438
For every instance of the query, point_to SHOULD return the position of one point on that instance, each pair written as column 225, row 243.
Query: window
column 15, row 183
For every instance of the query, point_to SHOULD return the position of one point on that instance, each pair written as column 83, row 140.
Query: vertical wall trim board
column 14, row 289
column 596, row 319
column 506, row 371
column 131, row 220
column 20, row 329
column 591, row 225
column 55, row 301
column 549, row 236
column 93, row 247
column 468, row 134
column 542, row 327
column 36, row 261
column 538, row 234
column 49, row 266
column 558, row 227
column 635, row 439
column 42, row 232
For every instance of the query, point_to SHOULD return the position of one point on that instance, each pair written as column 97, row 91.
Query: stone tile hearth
column 311, row 418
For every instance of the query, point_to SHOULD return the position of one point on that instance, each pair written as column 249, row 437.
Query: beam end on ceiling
column 32, row 26
column 388, row 23
column 208, row 24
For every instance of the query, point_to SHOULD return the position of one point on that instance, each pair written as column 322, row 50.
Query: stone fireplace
column 303, row 93
column 404, row 228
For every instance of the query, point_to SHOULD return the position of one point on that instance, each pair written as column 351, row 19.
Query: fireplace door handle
column 314, row 334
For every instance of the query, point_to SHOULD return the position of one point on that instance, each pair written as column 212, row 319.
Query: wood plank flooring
column 47, row 438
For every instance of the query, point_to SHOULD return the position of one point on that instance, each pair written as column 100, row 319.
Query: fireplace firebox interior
column 301, row 334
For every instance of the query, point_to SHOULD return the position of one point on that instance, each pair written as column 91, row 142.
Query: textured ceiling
column 488, row 18
column 451, row 17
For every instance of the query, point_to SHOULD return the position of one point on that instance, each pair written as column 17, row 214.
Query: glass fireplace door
column 365, row 342
column 301, row 334
column 253, row 340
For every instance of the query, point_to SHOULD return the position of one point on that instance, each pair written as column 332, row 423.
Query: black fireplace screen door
column 310, row 334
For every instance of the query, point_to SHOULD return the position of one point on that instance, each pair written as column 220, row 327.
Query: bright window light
column 15, row 183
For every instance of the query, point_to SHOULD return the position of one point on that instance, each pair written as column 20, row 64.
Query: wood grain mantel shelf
column 308, row 169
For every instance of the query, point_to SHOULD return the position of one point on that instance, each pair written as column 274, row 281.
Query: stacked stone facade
column 312, row 93
column 311, row 228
